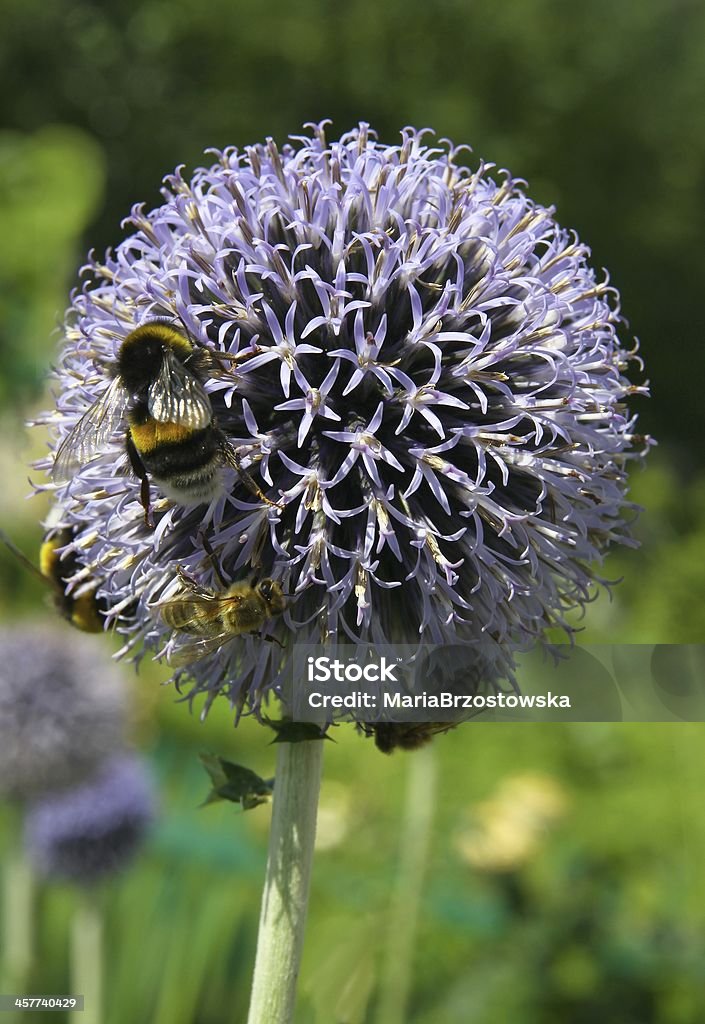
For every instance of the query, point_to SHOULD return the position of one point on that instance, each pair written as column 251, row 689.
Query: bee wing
column 92, row 432
column 191, row 606
column 177, row 396
column 186, row 614
column 195, row 649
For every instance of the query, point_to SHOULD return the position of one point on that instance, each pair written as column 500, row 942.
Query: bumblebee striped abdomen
column 82, row 609
column 150, row 436
column 183, row 462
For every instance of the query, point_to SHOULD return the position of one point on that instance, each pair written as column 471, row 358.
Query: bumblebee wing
column 195, row 649
column 177, row 396
column 92, row 432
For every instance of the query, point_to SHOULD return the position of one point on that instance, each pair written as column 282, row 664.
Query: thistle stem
column 416, row 832
column 18, row 920
column 87, row 957
column 286, row 887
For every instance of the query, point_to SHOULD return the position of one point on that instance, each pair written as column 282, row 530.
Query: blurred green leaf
column 236, row 783
column 51, row 183
column 295, row 732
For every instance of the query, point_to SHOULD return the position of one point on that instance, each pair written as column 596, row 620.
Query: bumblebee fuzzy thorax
column 142, row 354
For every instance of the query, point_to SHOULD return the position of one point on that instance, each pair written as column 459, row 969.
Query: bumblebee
column 80, row 607
column 213, row 617
column 405, row 735
column 157, row 388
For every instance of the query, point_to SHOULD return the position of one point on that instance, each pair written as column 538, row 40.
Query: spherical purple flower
column 428, row 398
column 93, row 830
column 62, row 708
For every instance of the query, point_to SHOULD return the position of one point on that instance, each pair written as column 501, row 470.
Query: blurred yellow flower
column 507, row 830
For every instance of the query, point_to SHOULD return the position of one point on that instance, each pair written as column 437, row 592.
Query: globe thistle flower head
column 62, row 708
column 93, row 830
column 428, row 392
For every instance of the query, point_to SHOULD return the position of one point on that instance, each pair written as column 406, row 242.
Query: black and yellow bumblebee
column 80, row 606
column 390, row 736
column 157, row 388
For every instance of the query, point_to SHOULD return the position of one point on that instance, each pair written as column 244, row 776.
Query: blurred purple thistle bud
column 95, row 829
column 62, row 708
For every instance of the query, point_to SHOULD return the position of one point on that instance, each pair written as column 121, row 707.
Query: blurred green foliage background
column 599, row 912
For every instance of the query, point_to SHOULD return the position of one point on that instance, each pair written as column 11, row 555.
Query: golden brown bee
column 212, row 617
column 79, row 606
column 157, row 391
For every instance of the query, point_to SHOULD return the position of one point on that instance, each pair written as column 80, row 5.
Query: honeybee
column 212, row 617
column 81, row 607
column 157, row 386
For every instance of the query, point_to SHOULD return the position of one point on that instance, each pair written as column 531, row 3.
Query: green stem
column 395, row 984
column 87, row 957
column 18, row 919
column 286, row 887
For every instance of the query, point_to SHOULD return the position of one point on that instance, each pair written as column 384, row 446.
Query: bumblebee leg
column 233, row 459
column 145, row 502
column 140, row 472
column 252, row 486
column 233, row 360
